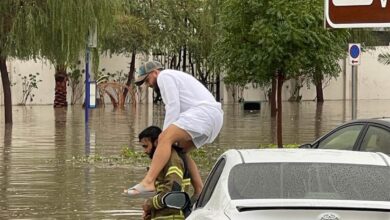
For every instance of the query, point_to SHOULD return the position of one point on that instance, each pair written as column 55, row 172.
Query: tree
column 171, row 21
column 262, row 38
column 131, row 34
column 55, row 30
column 324, row 58
column 384, row 58
column 186, row 35
column 18, row 39
column 64, row 32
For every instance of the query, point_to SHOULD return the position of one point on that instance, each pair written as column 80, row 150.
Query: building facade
column 373, row 81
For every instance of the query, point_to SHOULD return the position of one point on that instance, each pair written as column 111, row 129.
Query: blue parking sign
column 354, row 54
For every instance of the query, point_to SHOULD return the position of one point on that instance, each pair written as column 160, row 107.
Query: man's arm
column 170, row 96
column 147, row 214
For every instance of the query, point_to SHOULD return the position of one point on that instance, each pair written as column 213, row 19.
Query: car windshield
column 309, row 181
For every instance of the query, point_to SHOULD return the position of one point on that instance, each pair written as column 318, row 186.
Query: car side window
column 343, row 139
column 376, row 140
column 211, row 182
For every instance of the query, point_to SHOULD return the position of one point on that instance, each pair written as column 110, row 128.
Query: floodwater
column 41, row 179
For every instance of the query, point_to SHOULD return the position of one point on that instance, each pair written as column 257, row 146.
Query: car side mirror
column 176, row 200
column 306, row 146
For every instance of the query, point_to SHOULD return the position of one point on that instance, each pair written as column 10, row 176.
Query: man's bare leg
column 169, row 136
column 196, row 180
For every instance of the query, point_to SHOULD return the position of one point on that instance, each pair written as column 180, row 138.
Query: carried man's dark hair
column 151, row 132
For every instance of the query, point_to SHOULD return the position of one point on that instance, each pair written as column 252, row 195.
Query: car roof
column 384, row 121
column 308, row 156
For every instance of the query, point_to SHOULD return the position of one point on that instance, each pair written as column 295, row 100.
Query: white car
column 298, row 184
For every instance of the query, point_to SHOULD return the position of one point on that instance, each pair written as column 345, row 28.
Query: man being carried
column 193, row 118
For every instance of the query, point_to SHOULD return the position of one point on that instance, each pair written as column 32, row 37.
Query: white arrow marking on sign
column 383, row 3
column 357, row 2
column 352, row 2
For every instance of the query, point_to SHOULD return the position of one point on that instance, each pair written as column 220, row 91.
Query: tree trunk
column 217, row 89
column 6, row 91
column 184, row 58
column 318, row 120
column 191, row 65
column 173, row 62
column 130, row 77
column 60, row 88
column 179, row 61
column 279, row 117
column 319, row 90
column 272, row 98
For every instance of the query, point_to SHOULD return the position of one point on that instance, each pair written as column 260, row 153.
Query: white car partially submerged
column 297, row 184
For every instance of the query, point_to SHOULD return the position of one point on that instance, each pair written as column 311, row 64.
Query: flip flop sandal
column 139, row 190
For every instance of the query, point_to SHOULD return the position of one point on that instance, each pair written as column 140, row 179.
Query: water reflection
column 39, row 180
column 4, row 161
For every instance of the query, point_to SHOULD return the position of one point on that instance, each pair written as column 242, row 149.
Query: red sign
column 357, row 13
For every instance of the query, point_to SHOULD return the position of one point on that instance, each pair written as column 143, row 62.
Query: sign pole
column 354, row 92
column 354, row 61
column 92, row 43
column 86, row 103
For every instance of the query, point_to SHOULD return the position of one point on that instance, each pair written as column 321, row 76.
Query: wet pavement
column 41, row 179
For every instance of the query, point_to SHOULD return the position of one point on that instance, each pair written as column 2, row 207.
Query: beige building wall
column 373, row 80
column 44, row 95
column 45, row 92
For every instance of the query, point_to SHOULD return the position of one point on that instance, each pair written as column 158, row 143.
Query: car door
column 376, row 139
column 200, row 210
column 343, row 138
